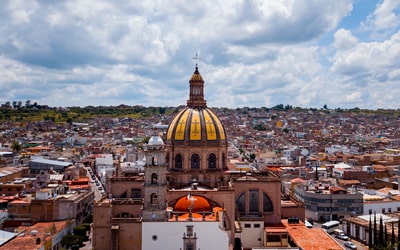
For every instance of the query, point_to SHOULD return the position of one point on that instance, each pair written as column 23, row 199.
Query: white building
column 104, row 166
column 377, row 202
column 184, row 235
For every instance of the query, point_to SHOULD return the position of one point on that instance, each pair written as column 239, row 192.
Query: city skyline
column 253, row 53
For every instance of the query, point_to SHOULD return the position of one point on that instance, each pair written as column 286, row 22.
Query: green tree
column 380, row 239
column 70, row 240
column 259, row 127
column 16, row 147
column 370, row 233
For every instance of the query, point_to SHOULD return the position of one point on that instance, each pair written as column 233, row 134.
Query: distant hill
column 33, row 112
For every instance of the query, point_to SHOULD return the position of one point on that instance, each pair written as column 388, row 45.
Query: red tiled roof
column 310, row 238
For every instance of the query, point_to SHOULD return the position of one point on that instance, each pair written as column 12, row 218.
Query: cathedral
column 188, row 197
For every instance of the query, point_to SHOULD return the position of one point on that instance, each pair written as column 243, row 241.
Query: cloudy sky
column 306, row 53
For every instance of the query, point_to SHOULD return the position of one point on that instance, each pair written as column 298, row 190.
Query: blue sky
column 306, row 53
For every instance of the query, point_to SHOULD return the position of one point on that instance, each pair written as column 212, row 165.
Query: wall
column 252, row 233
column 168, row 235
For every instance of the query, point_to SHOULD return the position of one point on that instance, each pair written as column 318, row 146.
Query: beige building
column 47, row 206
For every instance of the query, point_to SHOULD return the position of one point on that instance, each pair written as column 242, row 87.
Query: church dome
column 155, row 140
column 196, row 122
column 195, row 203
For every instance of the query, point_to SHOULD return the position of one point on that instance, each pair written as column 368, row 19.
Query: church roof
column 155, row 140
column 196, row 122
column 195, row 203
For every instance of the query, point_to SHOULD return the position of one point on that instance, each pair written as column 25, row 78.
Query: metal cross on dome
column 196, row 58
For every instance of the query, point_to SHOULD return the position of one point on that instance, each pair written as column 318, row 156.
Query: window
column 247, row 225
column 136, row 193
column 389, row 210
column 212, row 161
column 240, row 203
column 383, row 210
column 154, row 199
column 153, row 178
column 273, row 238
column 253, row 205
column 267, row 204
column 178, row 161
column 195, row 161
column 257, row 225
column 154, row 161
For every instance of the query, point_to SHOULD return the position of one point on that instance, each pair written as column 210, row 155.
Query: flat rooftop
column 310, row 238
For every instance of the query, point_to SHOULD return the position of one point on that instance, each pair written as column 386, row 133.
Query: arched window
column 195, row 161
column 223, row 161
column 154, row 198
column 154, row 161
column 253, row 201
column 240, row 203
column 212, row 161
column 153, row 178
column 178, row 161
column 267, row 204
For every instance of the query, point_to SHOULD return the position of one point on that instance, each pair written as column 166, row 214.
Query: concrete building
column 358, row 227
column 324, row 202
column 40, row 164
column 49, row 206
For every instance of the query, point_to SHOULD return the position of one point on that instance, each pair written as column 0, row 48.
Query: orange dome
column 197, row 203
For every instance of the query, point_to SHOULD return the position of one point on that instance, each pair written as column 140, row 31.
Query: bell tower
column 155, row 186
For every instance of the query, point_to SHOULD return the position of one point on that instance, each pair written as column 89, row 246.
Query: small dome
column 155, row 140
column 196, row 76
column 197, row 203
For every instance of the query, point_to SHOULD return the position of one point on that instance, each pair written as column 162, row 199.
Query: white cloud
column 384, row 16
column 253, row 53
column 372, row 59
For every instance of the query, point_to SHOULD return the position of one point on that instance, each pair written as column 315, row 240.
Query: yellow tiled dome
column 196, row 124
